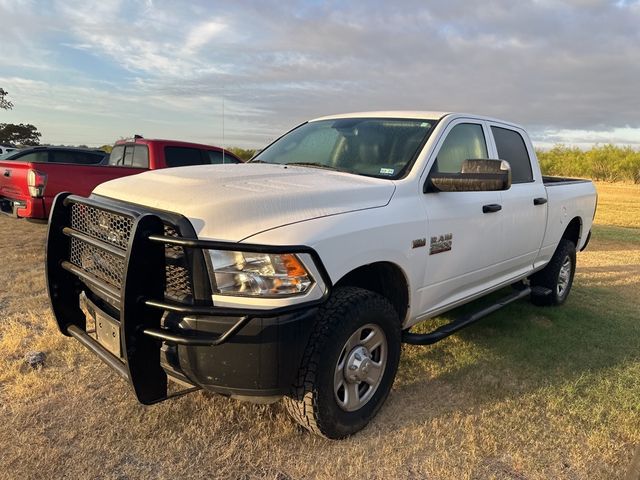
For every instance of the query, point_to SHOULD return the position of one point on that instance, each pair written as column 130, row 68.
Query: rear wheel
column 557, row 276
column 349, row 364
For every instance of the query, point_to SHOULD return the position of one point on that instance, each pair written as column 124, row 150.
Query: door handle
column 492, row 207
column 539, row 201
column 7, row 173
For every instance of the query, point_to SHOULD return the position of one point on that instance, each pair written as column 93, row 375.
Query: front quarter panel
column 347, row 241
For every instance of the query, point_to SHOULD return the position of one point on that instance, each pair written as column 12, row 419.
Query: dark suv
column 78, row 156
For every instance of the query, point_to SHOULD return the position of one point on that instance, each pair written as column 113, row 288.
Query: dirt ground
column 528, row 393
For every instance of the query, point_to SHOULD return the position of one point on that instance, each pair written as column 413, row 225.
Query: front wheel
column 557, row 276
column 349, row 364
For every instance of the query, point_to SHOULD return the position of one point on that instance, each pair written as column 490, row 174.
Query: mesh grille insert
column 115, row 229
column 178, row 281
column 106, row 226
column 104, row 265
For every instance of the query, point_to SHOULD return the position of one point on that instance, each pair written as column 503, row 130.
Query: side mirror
column 477, row 175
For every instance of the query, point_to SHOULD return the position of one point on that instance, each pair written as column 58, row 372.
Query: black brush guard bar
column 141, row 297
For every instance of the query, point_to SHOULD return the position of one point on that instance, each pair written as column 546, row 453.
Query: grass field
column 528, row 393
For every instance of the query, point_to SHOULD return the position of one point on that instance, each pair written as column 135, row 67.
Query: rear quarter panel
column 567, row 200
column 13, row 180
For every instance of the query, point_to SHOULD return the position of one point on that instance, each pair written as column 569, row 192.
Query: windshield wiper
column 316, row 165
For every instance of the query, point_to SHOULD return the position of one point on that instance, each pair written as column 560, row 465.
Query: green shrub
column 243, row 153
column 602, row 162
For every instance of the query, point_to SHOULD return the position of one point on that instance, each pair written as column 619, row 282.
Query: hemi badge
column 419, row 242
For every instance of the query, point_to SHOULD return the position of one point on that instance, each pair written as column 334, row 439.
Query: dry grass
column 527, row 393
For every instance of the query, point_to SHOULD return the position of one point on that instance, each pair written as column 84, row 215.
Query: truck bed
column 550, row 181
column 567, row 198
column 15, row 199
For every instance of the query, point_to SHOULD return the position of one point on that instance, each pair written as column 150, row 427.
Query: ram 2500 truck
column 32, row 178
column 299, row 274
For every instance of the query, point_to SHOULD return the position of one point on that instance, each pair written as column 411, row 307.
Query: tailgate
column 13, row 180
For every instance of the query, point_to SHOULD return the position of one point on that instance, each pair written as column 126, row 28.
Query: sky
column 242, row 73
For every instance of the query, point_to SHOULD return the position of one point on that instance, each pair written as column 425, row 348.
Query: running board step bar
column 541, row 291
column 444, row 331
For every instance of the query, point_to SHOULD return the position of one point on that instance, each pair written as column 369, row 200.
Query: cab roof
column 427, row 115
column 162, row 141
column 415, row 114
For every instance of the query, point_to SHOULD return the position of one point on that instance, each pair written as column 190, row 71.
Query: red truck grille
column 115, row 229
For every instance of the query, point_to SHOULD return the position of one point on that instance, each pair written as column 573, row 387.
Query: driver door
column 463, row 241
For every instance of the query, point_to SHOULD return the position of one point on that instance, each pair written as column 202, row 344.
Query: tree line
column 16, row 134
column 609, row 163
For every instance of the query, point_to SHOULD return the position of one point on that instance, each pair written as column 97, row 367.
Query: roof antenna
column 223, row 145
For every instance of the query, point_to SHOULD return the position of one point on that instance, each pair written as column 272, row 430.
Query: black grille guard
column 141, row 296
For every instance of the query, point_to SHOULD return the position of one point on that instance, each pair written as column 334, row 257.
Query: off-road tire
column 312, row 402
column 549, row 276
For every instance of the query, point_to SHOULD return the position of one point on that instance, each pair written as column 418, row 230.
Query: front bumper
column 227, row 350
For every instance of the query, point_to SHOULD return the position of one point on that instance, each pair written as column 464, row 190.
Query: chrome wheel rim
column 563, row 277
column 360, row 367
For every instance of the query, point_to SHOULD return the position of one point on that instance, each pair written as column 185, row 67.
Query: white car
column 5, row 150
column 299, row 274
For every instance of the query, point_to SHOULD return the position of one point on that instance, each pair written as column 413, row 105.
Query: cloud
column 552, row 66
column 202, row 34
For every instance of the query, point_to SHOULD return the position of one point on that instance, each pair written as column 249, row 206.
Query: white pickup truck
column 299, row 274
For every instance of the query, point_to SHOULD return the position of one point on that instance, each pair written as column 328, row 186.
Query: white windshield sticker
column 386, row 171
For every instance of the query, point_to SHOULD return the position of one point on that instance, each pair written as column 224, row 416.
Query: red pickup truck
column 30, row 179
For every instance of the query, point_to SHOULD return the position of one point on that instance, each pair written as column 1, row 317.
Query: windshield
column 377, row 147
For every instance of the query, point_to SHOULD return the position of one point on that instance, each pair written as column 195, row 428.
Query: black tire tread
column 301, row 404
column 548, row 276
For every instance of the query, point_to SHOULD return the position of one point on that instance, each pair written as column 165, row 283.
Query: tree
column 22, row 134
column 4, row 103
column 243, row 153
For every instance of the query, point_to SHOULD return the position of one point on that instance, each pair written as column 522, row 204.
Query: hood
column 234, row 201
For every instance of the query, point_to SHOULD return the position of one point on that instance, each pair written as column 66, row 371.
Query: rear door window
column 511, row 147
column 182, row 156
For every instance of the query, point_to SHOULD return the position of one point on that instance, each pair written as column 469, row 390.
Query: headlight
column 259, row 274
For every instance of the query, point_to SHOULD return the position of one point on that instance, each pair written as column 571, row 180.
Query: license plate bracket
column 107, row 329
